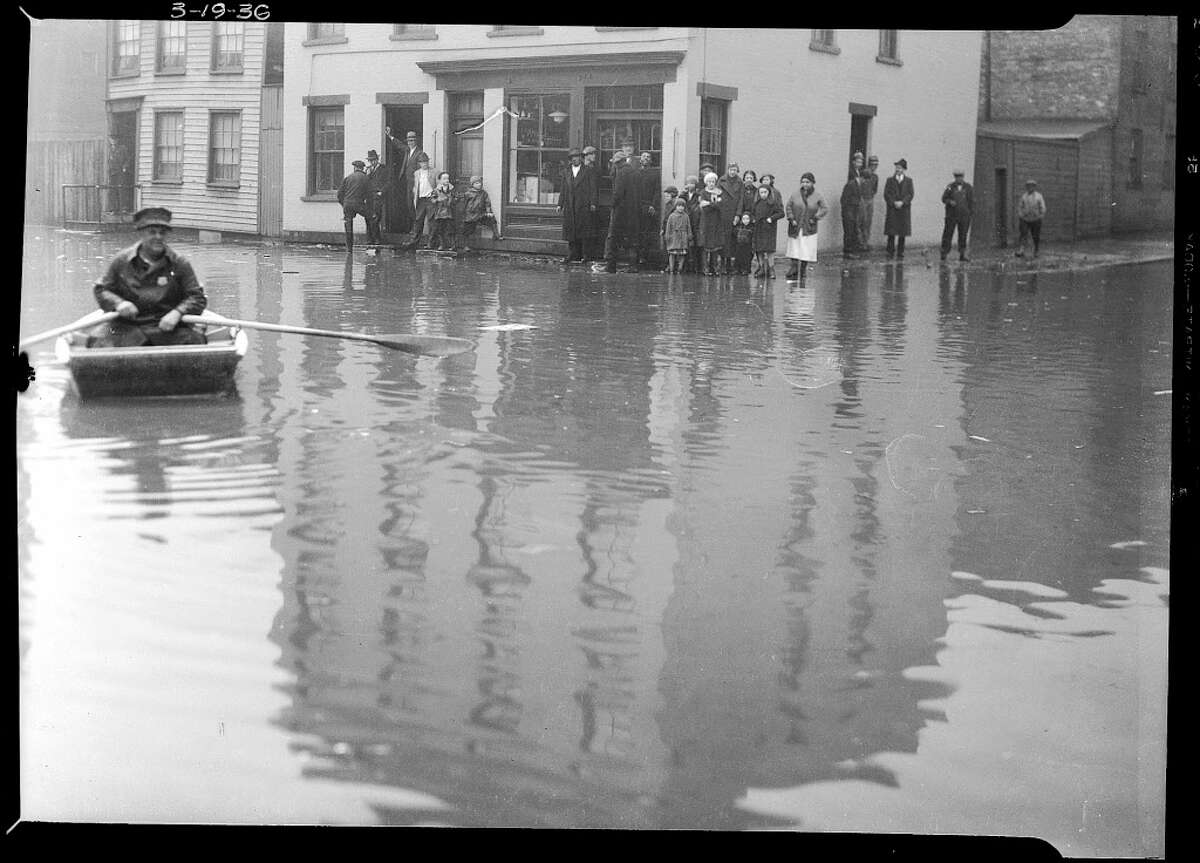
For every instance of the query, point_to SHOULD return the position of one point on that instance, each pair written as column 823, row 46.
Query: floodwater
column 886, row 552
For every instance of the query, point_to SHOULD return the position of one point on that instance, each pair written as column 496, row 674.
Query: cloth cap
column 691, row 178
column 588, row 149
column 574, row 151
column 960, row 173
column 902, row 163
column 1031, row 182
column 359, row 163
column 807, row 175
column 371, row 154
column 475, row 178
column 618, row 156
column 423, row 159
column 148, row 216
column 670, row 190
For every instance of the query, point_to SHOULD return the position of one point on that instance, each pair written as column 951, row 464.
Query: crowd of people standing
column 718, row 224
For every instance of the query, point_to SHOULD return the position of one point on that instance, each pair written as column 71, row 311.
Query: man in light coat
column 1031, row 209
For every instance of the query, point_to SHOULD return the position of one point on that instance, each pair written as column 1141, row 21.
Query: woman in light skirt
column 804, row 210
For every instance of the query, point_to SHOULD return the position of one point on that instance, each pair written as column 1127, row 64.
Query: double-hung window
column 327, row 151
column 172, row 46
column 225, row 148
column 228, row 46
column 168, row 146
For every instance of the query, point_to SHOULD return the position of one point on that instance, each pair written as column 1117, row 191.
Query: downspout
column 987, row 70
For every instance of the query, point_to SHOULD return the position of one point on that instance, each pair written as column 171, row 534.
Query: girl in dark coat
column 749, row 190
column 744, row 244
column 766, row 214
column 691, row 197
column 713, row 232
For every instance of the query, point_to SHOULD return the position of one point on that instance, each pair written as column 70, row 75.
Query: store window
column 126, row 51
column 617, row 113
column 168, row 146
column 538, row 133
column 327, row 149
column 172, row 46
column 466, row 137
column 714, row 117
column 225, row 147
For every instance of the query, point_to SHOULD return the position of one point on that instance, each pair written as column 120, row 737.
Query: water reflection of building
column 1071, row 447
column 795, row 615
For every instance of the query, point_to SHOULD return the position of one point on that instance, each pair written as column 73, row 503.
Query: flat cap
column 148, row 216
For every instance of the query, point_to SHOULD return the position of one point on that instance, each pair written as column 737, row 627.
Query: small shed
column 1072, row 160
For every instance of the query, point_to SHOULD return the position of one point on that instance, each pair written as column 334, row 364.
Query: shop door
column 397, row 214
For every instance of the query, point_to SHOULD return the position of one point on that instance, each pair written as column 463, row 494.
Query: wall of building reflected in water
column 678, row 539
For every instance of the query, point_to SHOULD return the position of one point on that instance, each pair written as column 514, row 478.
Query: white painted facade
column 193, row 200
column 789, row 112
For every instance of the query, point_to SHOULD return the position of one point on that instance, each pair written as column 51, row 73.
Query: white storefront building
column 508, row 102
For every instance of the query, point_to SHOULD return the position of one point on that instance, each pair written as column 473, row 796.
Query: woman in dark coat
column 765, row 216
column 579, row 196
column 897, row 197
column 749, row 190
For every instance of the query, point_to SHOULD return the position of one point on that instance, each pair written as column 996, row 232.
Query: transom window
column 126, row 47
column 168, row 145
column 172, row 46
column 229, row 39
column 225, row 147
column 538, row 132
column 327, row 152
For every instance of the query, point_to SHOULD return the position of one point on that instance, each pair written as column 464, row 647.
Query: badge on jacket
column 162, row 281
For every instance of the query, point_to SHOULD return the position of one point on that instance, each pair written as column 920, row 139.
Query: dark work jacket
column 963, row 197
column 898, row 222
column 155, row 288
column 649, row 179
column 578, row 197
column 851, row 196
column 353, row 191
column 626, row 200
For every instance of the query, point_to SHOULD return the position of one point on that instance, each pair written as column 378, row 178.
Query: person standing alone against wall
column 1031, row 209
column 898, row 196
column 959, row 199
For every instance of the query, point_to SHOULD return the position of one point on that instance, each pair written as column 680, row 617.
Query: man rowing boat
column 151, row 287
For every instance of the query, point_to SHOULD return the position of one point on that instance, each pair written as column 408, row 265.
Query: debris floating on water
column 978, row 437
column 1133, row 543
column 965, row 576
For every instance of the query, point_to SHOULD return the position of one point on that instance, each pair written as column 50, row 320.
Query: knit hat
column 807, row 175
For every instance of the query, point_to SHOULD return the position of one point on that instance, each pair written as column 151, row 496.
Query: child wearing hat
column 743, row 244
column 442, row 203
column 766, row 215
column 478, row 211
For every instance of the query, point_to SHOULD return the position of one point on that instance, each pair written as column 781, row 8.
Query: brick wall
column 1070, row 73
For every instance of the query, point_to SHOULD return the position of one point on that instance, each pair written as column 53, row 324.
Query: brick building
column 1089, row 111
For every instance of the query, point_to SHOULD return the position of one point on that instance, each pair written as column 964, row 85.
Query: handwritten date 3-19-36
column 219, row 11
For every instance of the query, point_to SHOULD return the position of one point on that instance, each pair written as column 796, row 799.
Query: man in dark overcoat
column 410, row 160
column 959, row 199
column 649, row 178
column 378, row 183
column 579, row 197
column 352, row 195
column 851, row 201
column 593, row 241
column 897, row 197
column 731, row 210
column 625, row 221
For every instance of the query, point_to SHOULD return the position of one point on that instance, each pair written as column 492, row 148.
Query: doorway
column 122, row 161
column 1002, row 207
column 397, row 212
column 860, row 126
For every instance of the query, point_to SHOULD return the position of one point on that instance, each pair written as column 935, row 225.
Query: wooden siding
column 194, row 202
column 1093, row 216
column 270, row 178
column 1053, row 165
column 49, row 165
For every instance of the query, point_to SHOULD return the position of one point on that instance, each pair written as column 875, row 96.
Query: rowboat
column 171, row 370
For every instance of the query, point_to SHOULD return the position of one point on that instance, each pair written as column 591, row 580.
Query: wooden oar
column 432, row 346
column 97, row 317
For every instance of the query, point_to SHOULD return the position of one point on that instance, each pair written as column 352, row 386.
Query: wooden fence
column 50, row 165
